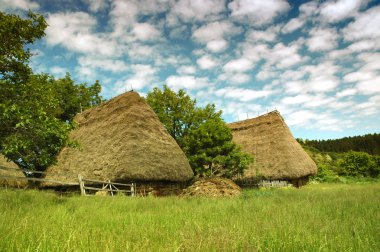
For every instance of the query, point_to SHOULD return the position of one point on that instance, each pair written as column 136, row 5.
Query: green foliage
column 15, row 34
column 73, row 98
column 333, row 167
column 357, row 164
column 30, row 134
column 200, row 132
column 36, row 111
column 35, row 119
column 369, row 143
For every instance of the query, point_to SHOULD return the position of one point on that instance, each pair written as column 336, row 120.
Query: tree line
column 369, row 143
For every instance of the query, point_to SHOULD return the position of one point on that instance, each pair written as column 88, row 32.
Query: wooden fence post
column 133, row 190
column 81, row 185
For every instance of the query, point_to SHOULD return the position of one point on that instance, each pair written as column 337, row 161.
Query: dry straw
column 122, row 140
column 11, row 173
column 277, row 154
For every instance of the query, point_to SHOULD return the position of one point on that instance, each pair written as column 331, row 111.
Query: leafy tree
column 73, row 98
column 357, row 164
column 36, row 111
column 200, row 132
column 15, row 34
column 36, row 117
column 30, row 134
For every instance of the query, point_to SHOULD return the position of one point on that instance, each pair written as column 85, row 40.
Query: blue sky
column 317, row 62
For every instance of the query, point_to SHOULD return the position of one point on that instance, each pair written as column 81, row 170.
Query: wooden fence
column 111, row 188
column 272, row 183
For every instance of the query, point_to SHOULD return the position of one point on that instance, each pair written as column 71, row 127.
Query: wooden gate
column 109, row 187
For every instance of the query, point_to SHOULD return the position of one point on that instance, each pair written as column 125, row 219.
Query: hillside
column 369, row 143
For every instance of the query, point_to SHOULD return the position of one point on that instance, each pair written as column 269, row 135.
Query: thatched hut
column 122, row 140
column 278, row 156
column 9, row 170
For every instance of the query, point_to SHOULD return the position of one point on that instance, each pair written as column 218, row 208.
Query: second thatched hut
column 278, row 156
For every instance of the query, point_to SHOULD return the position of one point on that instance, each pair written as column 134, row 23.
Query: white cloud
column 75, row 31
column 104, row 64
column 369, row 87
column 369, row 107
column 138, row 51
column 309, row 9
column 346, row 92
column 268, row 35
column 322, row 39
column 215, row 31
column 318, row 79
column 96, row 5
column 254, row 52
column 307, row 101
column 243, row 94
column 235, row 78
column 365, row 26
column 359, row 76
column 124, row 14
column 18, row 5
column 145, row 31
column 198, row 10
column 365, row 45
column 284, row 56
column 257, row 12
column 293, row 25
column 206, row 62
column 334, row 11
column 58, row 71
column 186, row 81
column 186, row 70
column 142, row 76
column 238, row 65
column 217, row 45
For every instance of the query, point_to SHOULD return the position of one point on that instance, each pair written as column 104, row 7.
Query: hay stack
column 212, row 188
column 277, row 154
column 122, row 140
column 14, row 173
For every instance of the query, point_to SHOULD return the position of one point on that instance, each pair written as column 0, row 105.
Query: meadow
column 321, row 217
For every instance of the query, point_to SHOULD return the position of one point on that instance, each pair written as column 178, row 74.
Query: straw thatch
column 277, row 154
column 14, row 171
column 212, row 188
column 122, row 140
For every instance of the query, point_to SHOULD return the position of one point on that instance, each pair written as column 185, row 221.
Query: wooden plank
column 104, row 189
column 104, row 182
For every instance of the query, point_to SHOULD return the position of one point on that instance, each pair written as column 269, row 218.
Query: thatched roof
column 11, row 172
column 277, row 154
column 122, row 140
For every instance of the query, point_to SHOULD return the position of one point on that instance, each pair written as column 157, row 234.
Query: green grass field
column 324, row 217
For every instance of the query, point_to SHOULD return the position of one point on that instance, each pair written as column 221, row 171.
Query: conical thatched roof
column 11, row 172
column 277, row 154
column 122, row 140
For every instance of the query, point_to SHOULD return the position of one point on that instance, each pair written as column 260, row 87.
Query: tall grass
column 325, row 217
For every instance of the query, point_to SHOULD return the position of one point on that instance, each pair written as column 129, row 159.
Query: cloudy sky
column 317, row 62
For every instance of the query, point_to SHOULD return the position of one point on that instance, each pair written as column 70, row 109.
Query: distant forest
column 368, row 143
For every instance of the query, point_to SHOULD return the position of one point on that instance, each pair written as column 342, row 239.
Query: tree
column 73, row 98
column 36, row 117
column 357, row 164
column 15, row 34
column 30, row 134
column 200, row 132
column 36, row 111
